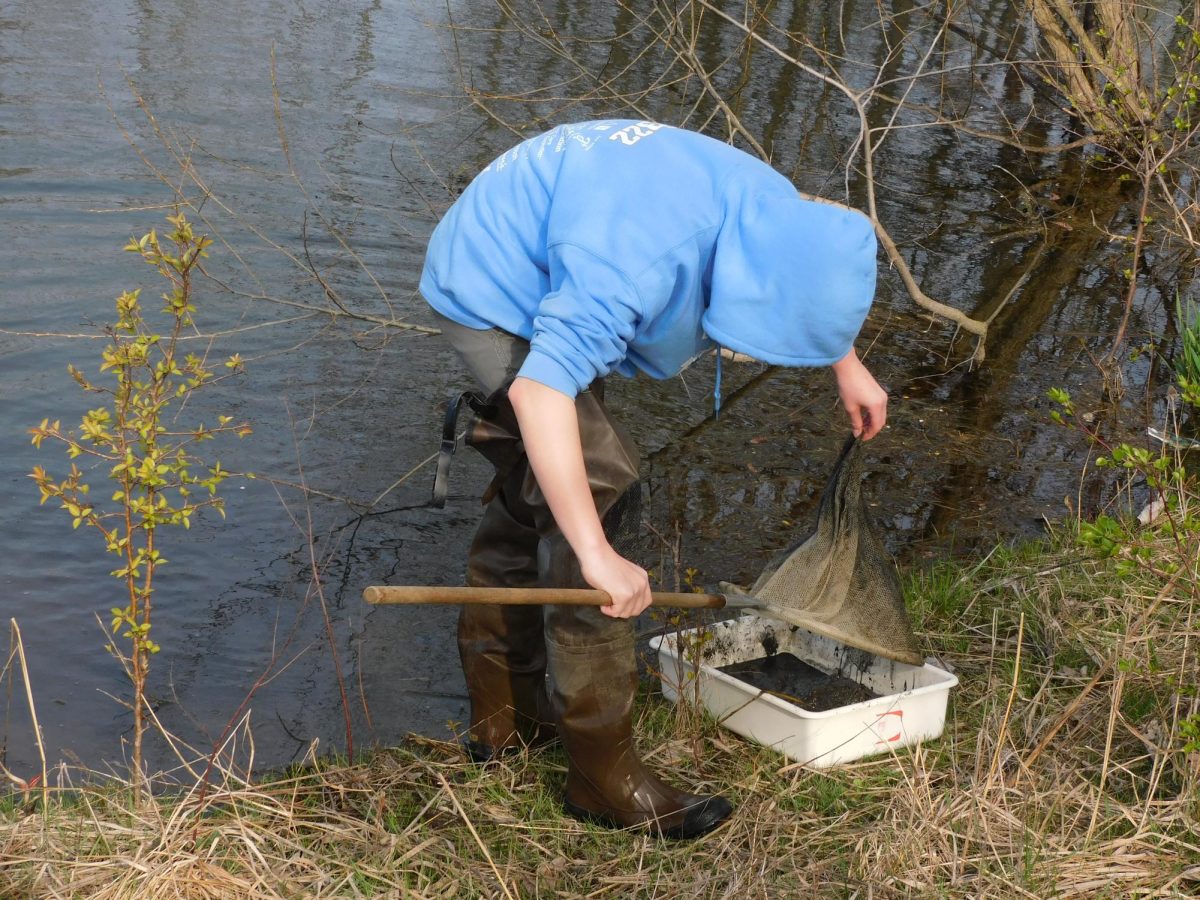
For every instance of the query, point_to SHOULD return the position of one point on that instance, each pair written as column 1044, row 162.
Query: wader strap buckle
column 441, row 480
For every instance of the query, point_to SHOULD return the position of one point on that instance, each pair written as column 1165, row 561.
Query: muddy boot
column 502, row 647
column 504, row 661
column 593, row 679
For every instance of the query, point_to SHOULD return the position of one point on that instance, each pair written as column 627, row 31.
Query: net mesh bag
column 623, row 524
column 840, row 581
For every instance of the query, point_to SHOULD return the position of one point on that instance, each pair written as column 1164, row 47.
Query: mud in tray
column 814, row 700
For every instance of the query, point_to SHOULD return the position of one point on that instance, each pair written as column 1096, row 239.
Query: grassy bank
column 1070, row 767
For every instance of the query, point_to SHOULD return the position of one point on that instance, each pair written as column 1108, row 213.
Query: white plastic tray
column 911, row 705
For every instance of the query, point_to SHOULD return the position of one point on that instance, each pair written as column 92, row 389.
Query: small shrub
column 155, row 476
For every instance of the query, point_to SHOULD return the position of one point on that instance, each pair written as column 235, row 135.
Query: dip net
column 840, row 582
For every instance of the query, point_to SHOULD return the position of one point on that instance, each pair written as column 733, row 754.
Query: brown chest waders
column 508, row 651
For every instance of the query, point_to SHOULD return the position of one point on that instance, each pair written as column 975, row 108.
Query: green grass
column 1187, row 363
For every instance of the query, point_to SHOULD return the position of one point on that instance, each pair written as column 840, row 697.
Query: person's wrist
column 849, row 361
column 592, row 550
column 847, row 364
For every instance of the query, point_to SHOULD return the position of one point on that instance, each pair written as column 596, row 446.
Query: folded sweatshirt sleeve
column 583, row 325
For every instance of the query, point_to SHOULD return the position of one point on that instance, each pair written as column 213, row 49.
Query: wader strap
column 441, row 480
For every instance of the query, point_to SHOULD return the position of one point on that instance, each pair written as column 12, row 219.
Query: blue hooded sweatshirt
column 621, row 245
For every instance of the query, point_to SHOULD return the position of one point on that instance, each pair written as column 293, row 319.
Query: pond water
column 368, row 133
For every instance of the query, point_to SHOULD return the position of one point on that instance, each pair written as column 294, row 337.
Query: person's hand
column 864, row 400
column 627, row 583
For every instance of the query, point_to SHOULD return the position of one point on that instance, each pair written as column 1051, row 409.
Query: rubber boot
column 593, row 667
column 509, row 704
column 593, row 680
column 502, row 647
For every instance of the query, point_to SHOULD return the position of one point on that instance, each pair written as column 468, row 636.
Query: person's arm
column 550, row 431
column 865, row 401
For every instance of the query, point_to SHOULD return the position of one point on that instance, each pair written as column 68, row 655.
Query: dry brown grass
column 1068, row 769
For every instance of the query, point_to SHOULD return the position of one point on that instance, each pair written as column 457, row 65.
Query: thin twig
column 37, row 728
column 1002, row 737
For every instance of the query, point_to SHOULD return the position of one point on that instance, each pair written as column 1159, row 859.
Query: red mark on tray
column 899, row 714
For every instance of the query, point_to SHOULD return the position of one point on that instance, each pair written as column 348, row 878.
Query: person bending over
column 599, row 247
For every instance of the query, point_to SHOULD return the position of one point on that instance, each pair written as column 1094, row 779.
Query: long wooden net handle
column 401, row 594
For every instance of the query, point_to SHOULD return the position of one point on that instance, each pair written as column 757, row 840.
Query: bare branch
column 859, row 100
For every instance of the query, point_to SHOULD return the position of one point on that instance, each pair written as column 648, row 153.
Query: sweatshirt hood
column 792, row 279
